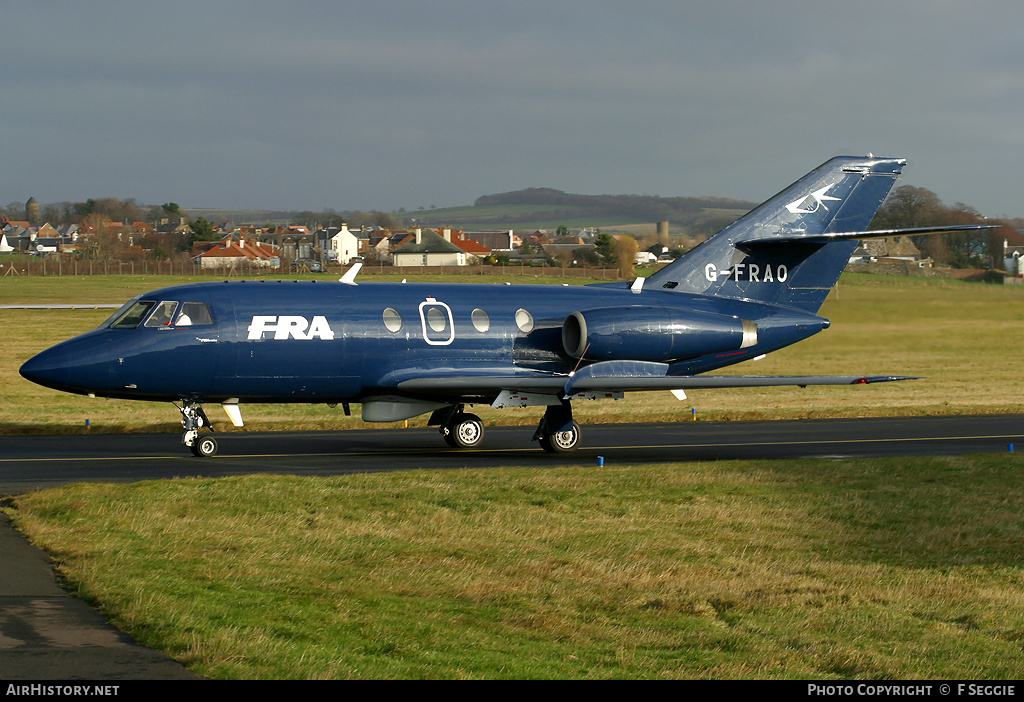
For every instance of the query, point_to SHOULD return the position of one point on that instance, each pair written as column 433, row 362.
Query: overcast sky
column 347, row 104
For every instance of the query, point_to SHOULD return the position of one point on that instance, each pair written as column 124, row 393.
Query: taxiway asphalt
column 33, row 462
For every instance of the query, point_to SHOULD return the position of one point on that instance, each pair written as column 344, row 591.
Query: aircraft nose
column 79, row 365
column 50, row 368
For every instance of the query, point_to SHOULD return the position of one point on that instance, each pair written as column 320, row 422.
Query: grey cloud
column 387, row 104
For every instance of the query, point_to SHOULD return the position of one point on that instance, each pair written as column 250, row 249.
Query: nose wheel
column 193, row 418
column 203, row 447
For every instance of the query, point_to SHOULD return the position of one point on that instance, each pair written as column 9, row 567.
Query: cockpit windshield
column 193, row 313
column 163, row 314
column 160, row 315
column 133, row 316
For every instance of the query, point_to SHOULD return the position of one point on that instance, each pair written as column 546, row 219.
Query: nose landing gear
column 193, row 418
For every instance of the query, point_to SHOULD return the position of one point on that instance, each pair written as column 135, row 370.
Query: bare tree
column 908, row 206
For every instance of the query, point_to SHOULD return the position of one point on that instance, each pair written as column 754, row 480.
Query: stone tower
column 32, row 210
column 663, row 233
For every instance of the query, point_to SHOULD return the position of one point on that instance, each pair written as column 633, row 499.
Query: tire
column 465, row 431
column 562, row 441
column 204, row 447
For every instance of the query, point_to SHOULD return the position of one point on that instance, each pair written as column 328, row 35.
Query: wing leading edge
column 618, row 377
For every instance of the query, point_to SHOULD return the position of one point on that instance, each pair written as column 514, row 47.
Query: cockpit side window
column 163, row 314
column 193, row 314
column 134, row 315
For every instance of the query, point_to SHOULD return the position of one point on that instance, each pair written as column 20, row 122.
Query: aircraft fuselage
column 291, row 341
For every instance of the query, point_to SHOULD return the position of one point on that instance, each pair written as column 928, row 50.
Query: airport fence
column 57, row 266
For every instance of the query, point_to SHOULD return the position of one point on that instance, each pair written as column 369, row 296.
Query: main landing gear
column 460, row 429
column 560, row 441
column 557, row 432
column 193, row 418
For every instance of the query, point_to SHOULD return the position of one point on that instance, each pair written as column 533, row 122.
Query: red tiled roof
column 235, row 249
column 470, row 246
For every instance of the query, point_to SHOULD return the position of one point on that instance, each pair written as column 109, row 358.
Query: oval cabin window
column 481, row 320
column 524, row 320
column 392, row 320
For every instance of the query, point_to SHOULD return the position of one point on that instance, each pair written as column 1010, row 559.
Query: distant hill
column 651, row 208
column 547, row 208
column 537, row 208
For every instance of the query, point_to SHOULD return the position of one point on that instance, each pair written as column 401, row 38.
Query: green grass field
column 901, row 568
column 813, row 569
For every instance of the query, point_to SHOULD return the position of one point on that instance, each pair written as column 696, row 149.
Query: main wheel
column 464, row 431
column 204, row 446
column 562, row 441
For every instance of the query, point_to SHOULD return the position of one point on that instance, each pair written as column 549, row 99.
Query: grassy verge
column 881, row 569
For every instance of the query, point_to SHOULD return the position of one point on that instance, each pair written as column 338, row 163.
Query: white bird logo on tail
column 812, row 202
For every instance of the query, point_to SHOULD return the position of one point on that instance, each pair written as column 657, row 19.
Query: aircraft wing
column 694, row 382
column 482, row 384
column 626, row 376
column 620, row 376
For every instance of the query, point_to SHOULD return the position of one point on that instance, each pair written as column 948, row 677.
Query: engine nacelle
column 642, row 333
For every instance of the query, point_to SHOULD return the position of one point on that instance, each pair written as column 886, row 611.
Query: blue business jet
column 403, row 350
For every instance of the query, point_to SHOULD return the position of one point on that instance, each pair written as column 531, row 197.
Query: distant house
column 233, row 254
column 868, row 251
column 69, row 230
column 536, row 240
column 341, row 244
column 1013, row 250
column 504, row 241
column 182, row 226
column 566, row 250
column 379, row 243
column 899, row 248
column 429, row 248
column 37, row 238
column 475, row 249
column 17, row 238
column 43, row 230
column 46, row 244
column 397, row 240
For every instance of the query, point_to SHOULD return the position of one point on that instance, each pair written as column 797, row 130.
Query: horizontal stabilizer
column 826, row 237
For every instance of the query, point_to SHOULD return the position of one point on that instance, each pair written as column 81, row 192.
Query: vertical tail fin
column 770, row 254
